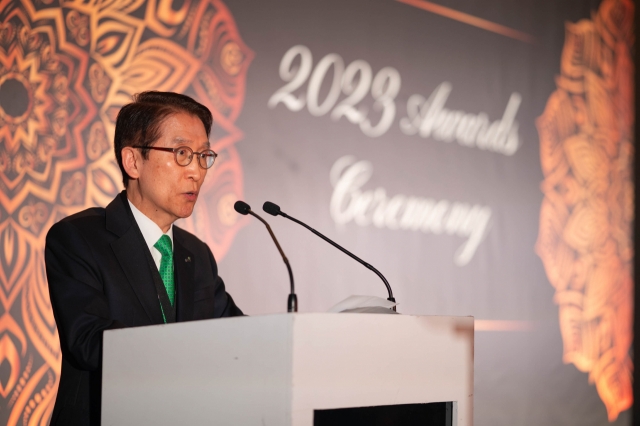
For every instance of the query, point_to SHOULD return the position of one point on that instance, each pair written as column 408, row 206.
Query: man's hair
column 138, row 123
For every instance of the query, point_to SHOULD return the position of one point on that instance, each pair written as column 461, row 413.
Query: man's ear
column 131, row 161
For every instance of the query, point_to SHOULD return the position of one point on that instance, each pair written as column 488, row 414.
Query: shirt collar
column 150, row 230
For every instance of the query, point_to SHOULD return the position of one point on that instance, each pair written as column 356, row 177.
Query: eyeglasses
column 183, row 155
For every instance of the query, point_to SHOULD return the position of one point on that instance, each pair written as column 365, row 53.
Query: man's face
column 167, row 190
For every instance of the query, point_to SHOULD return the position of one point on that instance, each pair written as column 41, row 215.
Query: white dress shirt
column 151, row 233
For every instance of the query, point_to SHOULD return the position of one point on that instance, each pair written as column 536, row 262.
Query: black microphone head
column 242, row 207
column 272, row 209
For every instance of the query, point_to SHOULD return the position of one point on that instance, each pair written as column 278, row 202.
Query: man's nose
column 193, row 169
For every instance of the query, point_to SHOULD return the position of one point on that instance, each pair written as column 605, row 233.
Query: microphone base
column 292, row 303
column 392, row 299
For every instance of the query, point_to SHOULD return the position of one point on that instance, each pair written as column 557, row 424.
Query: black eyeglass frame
column 200, row 155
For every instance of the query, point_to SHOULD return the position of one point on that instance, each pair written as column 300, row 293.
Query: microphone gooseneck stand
column 274, row 210
column 244, row 209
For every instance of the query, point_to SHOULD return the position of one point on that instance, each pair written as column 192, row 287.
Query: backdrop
column 478, row 153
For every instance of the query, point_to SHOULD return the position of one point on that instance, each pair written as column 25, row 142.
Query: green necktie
column 166, row 266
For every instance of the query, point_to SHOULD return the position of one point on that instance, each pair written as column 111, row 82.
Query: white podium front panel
column 234, row 371
column 367, row 360
column 276, row 369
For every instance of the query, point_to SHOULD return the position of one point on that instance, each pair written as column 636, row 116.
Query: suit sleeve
column 77, row 296
column 223, row 305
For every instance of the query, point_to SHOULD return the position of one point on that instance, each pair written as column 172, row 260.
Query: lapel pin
column 188, row 259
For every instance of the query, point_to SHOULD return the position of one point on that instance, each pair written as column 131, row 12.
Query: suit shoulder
column 86, row 219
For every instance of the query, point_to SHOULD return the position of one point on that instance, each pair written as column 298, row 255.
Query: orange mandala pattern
column 585, row 239
column 66, row 68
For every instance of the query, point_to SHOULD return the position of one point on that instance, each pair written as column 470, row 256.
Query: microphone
column 274, row 210
column 244, row 209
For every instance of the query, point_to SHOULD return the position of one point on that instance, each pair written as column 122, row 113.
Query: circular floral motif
column 585, row 238
column 65, row 70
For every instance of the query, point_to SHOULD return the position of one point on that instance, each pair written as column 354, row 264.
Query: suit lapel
column 183, row 261
column 131, row 250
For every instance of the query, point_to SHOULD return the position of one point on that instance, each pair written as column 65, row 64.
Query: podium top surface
column 362, row 319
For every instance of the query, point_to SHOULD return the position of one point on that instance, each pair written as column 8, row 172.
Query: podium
column 289, row 369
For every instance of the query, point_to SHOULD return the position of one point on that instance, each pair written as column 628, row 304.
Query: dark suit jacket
column 101, row 277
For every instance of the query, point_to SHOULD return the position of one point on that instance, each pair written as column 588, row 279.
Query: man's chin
column 186, row 211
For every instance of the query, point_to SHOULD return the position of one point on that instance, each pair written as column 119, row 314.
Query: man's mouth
column 192, row 195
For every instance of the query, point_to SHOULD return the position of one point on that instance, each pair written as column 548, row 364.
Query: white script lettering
column 429, row 118
column 355, row 81
column 350, row 202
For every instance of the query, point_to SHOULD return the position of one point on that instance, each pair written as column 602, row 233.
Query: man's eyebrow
column 179, row 140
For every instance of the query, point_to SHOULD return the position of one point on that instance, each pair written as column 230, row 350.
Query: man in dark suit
column 126, row 265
